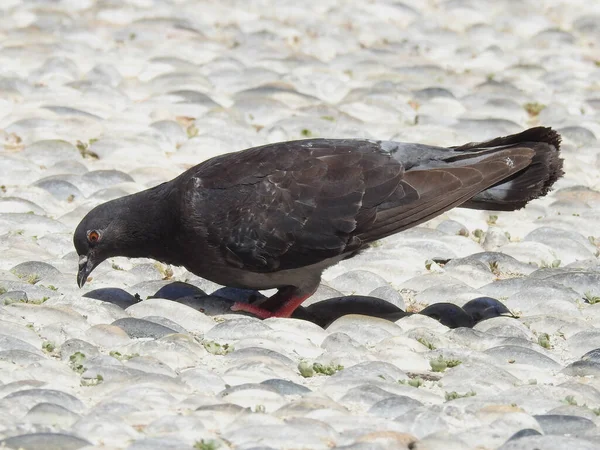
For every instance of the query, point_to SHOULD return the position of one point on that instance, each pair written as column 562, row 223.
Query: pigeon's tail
column 502, row 174
column 532, row 182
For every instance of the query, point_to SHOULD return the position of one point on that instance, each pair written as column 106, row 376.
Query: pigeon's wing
column 291, row 204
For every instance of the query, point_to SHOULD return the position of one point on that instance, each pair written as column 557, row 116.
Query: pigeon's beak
column 86, row 265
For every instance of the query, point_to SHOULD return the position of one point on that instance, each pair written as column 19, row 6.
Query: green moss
column 413, row 382
column 544, row 340
column 76, row 362
column 426, row 343
column 192, row 131
column 306, row 132
column 534, row 108
column 328, row 369
column 478, row 234
column 92, row 381
column 306, row 369
column 121, row 357
column 591, row 298
column 440, row 364
column 215, row 348
column 48, row 346
column 454, row 395
column 85, row 151
column 206, row 445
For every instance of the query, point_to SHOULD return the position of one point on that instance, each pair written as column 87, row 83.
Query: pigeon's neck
column 152, row 223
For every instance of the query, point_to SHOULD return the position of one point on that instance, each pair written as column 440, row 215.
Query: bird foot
column 252, row 309
column 285, row 310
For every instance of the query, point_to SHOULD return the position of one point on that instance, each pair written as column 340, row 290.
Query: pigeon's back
column 294, row 204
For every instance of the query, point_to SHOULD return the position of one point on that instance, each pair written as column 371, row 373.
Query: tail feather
column 502, row 174
column 532, row 182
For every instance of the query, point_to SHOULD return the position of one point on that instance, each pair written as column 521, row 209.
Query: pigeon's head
column 96, row 238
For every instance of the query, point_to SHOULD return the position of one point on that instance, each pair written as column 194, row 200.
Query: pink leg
column 286, row 300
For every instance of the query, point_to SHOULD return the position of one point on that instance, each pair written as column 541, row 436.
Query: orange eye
column 93, row 236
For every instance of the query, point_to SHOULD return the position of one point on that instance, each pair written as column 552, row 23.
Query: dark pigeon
column 276, row 216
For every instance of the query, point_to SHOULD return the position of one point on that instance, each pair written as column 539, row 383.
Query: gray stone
column 233, row 329
column 583, row 342
column 71, row 346
column 50, row 152
column 548, row 443
column 59, row 188
column 20, row 357
column 389, row 294
column 357, row 282
column 394, row 406
column 28, row 398
column 35, row 270
column 8, row 343
column 45, row 441
column 582, row 369
column 365, row 329
column 286, row 387
column 364, row 396
column 159, row 443
column 177, row 312
column 139, row 328
column 522, row 355
column 579, row 135
column 13, row 297
column 51, row 414
column 166, row 323
column 101, row 179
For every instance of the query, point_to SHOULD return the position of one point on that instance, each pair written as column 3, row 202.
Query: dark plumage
column 276, row 216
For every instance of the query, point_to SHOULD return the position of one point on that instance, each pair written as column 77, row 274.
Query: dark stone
column 327, row 311
column 116, row 296
column 449, row 314
column 524, row 433
column 208, row 304
column 483, row 308
column 178, row 289
column 238, row 295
